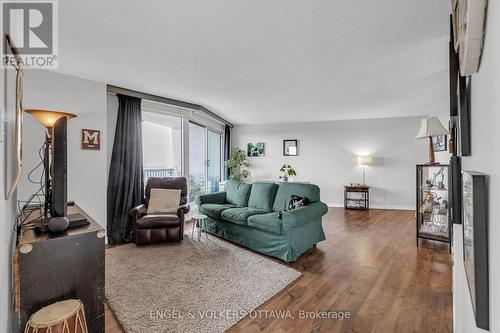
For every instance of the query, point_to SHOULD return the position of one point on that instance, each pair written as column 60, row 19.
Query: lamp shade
column 47, row 117
column 429, row 127
column 365, row 160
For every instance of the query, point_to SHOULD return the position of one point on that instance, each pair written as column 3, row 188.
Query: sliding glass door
column 197, row 161
column 205, row 160
column 214, row 160
column 175, row 146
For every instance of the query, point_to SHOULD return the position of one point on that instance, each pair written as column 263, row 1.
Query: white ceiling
column 263, row 61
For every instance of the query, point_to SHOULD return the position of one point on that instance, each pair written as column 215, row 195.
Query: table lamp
column 430, row 127
column 364, row 161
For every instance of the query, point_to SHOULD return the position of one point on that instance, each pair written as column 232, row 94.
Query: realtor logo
column 32, row 28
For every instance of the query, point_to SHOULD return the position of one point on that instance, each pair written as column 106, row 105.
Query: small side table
column 357, row 196
column 199, row 222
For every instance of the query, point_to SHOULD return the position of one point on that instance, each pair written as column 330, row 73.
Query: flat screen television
column 59, row 193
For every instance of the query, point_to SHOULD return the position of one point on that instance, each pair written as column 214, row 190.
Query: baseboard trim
column 388, row 207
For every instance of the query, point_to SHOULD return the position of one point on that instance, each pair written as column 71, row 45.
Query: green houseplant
column 236, row 165
column 287, row 171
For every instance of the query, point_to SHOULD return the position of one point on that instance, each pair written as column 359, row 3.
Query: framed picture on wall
column 255, row 149
column 290, row 148
column 464, row 114
column 91, row 139
column 439, row 143
column 475, row 243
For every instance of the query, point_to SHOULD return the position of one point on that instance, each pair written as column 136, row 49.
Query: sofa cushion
column 266, row 222
column 237, row 193
column 286, row 190
column 240, row 215
column 262, row 196
column 215, row 210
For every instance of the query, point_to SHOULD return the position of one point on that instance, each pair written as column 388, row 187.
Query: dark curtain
column 125, row 184
column 227, row 148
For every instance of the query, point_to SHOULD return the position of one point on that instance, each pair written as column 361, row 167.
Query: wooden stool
column 61, row 317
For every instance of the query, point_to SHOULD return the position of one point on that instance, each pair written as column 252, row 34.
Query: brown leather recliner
column 162, row 228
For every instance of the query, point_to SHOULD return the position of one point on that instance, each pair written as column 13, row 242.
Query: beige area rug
column 191, row 286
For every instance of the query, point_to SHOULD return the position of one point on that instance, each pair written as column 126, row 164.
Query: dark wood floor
column 369, row 266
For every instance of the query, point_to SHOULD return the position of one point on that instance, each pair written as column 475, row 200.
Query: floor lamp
column 48, row 118
column 364, row 161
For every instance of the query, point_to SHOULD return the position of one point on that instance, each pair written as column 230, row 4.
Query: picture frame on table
column 440, row 143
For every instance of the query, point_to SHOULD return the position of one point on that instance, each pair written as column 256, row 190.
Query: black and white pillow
column 296, row 202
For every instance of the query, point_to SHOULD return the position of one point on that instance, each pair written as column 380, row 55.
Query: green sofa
column 247, row 214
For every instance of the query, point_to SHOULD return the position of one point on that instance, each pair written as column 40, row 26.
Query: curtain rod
column 186, row 105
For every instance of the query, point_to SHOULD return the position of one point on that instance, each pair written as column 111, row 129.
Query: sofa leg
column 314, row 246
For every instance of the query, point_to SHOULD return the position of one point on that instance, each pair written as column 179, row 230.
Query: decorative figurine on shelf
column 428, row 184
column 443, row 208
column 440, row 184
column 428, row 203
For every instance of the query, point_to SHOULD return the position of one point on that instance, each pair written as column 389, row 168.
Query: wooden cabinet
column 50, row 268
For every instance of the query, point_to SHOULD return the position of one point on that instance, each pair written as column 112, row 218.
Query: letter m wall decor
column 91, row 139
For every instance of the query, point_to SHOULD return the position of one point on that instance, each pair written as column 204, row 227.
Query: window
column 162, row 145
column 176, row 144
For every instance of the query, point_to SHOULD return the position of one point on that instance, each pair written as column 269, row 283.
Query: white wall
column 328, row 156
column 87, row 171
column 485, row 116
column 7, row 208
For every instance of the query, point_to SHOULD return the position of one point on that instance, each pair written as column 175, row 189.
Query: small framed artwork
column 91, row 139
column 440, row 143
column 475, row 243
column 290, row 148
column 255, row 149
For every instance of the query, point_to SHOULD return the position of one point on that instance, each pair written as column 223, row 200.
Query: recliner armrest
column 183, row 210
column 138, row 211
column 303, row 215
column 215, row 198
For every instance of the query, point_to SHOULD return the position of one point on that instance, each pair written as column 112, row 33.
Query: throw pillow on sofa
column 296, row 202
column 237, row 193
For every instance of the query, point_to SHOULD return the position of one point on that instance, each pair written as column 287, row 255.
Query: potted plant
column 287, row 171
column 236, row 165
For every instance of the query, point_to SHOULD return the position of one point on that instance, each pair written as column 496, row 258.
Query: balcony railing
column 158, row 172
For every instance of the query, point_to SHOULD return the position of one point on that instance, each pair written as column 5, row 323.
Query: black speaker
column 58, row 224
column 59, row 200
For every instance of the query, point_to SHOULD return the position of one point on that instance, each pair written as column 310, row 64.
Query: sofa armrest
column 183, row 210
column 303, row 215
column 138, row 211
column 215, row 198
